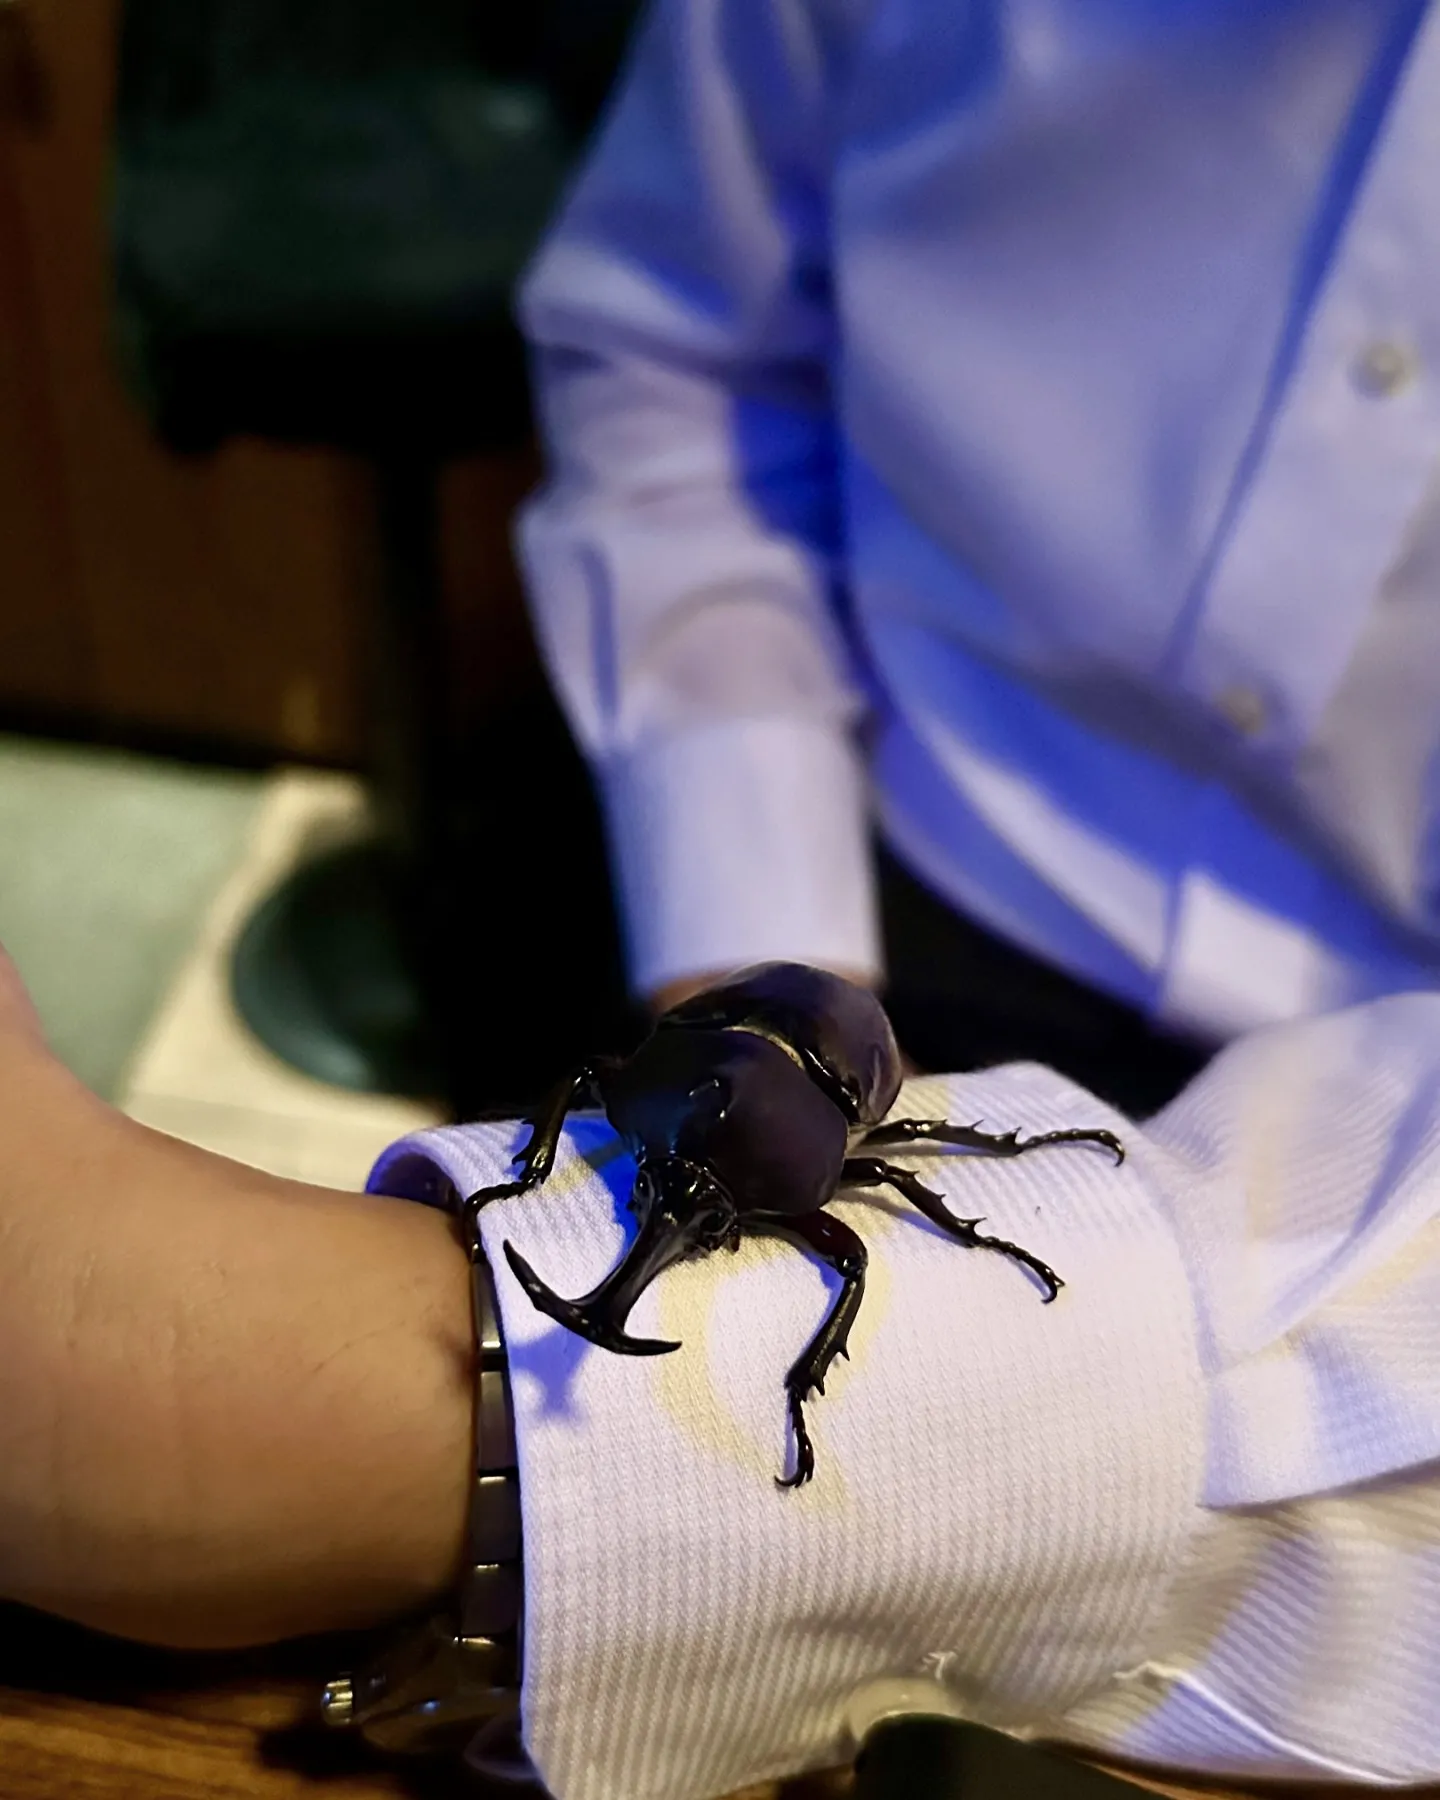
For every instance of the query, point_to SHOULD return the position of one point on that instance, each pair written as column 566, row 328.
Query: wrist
column 238, row 1408
column 328, row 1447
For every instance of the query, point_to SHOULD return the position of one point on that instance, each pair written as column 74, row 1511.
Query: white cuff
column 740, row 842
column 1003, row 1488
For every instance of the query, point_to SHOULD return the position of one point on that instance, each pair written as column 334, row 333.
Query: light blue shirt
column 1016, row 426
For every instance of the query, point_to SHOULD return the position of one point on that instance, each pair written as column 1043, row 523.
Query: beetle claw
column 804, row 1449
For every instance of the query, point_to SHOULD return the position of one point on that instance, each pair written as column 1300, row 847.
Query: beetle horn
column 600, row 1315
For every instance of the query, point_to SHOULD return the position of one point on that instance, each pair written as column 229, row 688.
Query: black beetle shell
column 736, row 1106
column 839, row 1030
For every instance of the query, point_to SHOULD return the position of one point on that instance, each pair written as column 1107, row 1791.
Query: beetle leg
column 837, row 1246
column 537, row 1157
column 869, row 1171
column 970, row 1137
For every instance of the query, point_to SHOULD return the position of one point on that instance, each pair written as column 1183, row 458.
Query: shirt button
column 1245, row 708
column 1383, row 368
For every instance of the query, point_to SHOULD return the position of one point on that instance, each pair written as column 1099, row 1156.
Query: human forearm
column 723, row 736
column 682, row 557
column 232, row 1408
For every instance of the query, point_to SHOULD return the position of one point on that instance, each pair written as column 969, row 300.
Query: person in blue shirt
column 1009, row 432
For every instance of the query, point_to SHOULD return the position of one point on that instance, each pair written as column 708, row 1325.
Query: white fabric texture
column 1019, row 371
column 1187, row 1514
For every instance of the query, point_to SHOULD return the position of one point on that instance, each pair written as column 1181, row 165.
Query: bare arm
column 232, row 1408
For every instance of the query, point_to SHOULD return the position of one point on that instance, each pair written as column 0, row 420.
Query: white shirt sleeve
column 683, row 555
column 1301, row 1175
column 1187, row 1514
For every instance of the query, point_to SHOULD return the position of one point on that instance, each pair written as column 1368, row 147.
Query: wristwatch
column 453, row 1682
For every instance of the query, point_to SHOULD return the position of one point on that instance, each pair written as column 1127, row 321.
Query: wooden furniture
column 218, row 601
column 92, row 1718
column 88, row 1717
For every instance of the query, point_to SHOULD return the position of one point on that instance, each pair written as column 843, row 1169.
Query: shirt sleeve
column 1301, row 1175
column 682, row 556
column 1188, row 1515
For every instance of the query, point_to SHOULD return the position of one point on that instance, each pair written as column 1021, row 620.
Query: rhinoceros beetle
column 743, row 1109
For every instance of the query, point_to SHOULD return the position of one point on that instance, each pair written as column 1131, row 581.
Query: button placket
column 1350, row 455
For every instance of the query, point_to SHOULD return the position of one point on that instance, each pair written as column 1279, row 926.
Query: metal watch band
column 453, row 1682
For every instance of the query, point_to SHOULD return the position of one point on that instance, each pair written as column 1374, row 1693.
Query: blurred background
column 294, row 850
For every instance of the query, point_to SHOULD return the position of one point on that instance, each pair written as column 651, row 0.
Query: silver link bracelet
column 453, row 1683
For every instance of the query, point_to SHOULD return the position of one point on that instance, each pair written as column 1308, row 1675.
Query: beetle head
column 683, row 1211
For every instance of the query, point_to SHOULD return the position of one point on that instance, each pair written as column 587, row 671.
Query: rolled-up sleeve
column 681, row 557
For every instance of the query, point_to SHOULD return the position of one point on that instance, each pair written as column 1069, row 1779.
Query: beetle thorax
column 752, row 1029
